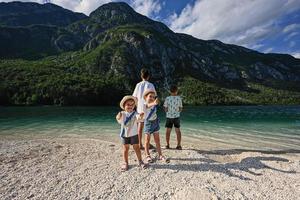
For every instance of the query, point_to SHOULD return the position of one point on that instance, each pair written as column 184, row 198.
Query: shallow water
column 255, row 127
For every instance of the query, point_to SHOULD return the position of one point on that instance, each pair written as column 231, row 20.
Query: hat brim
column 148, row 92
column 127, row 98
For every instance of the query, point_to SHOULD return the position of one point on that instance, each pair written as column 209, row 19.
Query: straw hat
column 126, row 98
column 148, row 91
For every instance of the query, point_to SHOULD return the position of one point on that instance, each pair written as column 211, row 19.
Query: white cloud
column 87, row 6
column 296, row 55
column 291, row 27
column 256, row 46
column 268, row 50
column 291, row 35
column 147, row 7
column 84, row 6
column 241, row 22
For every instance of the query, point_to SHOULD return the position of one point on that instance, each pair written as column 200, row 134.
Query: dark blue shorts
column 173, row 121
column 151, row 126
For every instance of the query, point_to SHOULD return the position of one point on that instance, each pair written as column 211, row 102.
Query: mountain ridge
column 116, row 42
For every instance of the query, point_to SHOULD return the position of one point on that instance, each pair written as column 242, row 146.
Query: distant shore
column 39, row 167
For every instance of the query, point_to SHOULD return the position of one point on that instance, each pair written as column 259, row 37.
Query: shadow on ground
column 248, row 164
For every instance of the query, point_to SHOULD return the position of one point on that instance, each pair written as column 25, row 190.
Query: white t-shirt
column 173, row 103
column 131, row 127
column 139, row 91
column 147, row 111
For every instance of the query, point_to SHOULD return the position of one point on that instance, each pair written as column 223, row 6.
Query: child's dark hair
column 173, row 88
column 145, row 73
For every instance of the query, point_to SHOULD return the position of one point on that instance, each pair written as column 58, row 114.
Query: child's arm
column 119, row 117
column 140, row 117
column 166, row 105
column 135, row 91
column 180, row 109
column 180, row 105
column 156, row 102
column 166, row 109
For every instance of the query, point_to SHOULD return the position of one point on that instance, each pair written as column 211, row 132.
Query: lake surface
column 255, row 127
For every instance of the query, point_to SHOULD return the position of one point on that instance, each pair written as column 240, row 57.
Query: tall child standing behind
column 173, row 108
column 139, row 90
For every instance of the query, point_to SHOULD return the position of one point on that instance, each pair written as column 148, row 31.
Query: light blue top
column 173, row 104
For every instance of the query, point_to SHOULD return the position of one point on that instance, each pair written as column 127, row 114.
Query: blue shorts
column 151, row 126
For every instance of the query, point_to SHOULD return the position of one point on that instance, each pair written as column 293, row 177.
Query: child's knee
column 136, row 147
column 126, row 147
column 147, row 137
column 156, row 136
column 177, row 130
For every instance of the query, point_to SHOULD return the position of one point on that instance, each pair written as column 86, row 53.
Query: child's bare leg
column 137, row 150
column 178, row 135
column 125, row 152
column 157, row 142
column 140, row 134
column 168, row 133
column 147, row 144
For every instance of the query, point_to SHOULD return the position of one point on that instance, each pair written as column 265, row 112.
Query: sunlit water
column 263, row 127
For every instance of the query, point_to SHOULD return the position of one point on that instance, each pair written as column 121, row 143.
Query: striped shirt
column 131, row 127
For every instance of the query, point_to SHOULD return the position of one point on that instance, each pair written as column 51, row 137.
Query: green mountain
column 23, row 14
column 95, row 60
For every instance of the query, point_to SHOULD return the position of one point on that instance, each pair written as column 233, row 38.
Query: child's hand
column 156, row 101
column 141, row 116
column 166, row 109
column 119, row 115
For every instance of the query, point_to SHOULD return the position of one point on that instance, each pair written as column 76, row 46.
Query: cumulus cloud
column 296, row 55
column 87, row 6
column 83, row 6
column 241, row 22
column 147, row 7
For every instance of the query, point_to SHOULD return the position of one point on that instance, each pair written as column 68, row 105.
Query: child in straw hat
column 128, row 119
column 151, row 124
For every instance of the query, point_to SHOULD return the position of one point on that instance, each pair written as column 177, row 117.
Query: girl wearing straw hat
column 128, row 119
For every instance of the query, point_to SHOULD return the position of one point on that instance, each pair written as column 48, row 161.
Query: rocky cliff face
column 115, row 39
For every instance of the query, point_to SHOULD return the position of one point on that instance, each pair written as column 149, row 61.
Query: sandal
column 167, row 147
column 149, row 159
column 124, row 167
column 163, row 158
column 179, row 148
column 143, row 165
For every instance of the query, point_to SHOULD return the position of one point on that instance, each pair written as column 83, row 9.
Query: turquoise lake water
column 263, row 127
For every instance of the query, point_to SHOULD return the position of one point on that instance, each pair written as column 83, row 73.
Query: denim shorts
column 151, row 126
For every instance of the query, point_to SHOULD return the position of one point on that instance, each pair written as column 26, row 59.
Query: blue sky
column 263, row 25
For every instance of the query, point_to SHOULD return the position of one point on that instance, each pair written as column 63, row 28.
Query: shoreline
column 86, row 168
